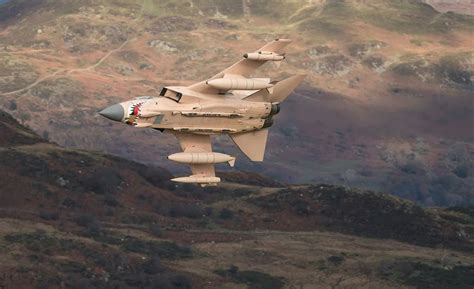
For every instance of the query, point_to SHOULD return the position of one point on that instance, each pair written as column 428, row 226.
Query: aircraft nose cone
column 113, row 112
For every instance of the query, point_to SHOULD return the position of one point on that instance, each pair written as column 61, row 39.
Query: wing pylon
column 198, row 154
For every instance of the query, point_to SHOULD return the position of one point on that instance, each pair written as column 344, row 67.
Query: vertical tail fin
column 253, row 144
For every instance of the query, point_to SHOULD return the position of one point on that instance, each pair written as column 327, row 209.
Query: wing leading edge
column 243, row 68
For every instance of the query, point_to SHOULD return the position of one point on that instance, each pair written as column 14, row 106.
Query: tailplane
column 282, row 89
column 252, row 144
column 279, row 92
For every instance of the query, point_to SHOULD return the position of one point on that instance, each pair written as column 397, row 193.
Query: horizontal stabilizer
column 279, row 92
column 252, row 144
column 282, row 89
column 263, row 95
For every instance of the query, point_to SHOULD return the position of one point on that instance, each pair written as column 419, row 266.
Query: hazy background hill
column 387, row 105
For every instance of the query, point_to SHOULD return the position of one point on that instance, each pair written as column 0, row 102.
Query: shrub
column 102, row 182
column 421, row 275
column 82, row 283
column 69, row 203
column 461, row 171
column 301, row 208
column 158, row 177
column 335, row 260
column 46, row 135
column 253, row 279
column 92, row 227
column 208, row 211
column 111, row 200
column 455, row 68
column 164, row 250
column 93, row 230
column 226, row 214
column 233, row 270
column 153, row 266
column 412, row 167
column 181, row 282
column 72, row 267
column 155, row 230
column 187, row 210
column 13, row 105
column 42, row 285
column 170, row 281
column 84, row 220
column 37, row 241
column 49, row 216
column 140, row 218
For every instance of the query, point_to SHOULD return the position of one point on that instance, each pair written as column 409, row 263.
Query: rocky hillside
column 78, row 219
column 386, row 105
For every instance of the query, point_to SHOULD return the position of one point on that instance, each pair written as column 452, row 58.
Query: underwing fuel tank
column 264, row 56
column 238, row 84
column 197, row 179
column 202, row 158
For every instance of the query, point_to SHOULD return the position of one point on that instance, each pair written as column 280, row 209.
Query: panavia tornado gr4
column 231, row 102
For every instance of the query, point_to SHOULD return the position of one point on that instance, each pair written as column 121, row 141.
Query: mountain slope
column 78, row 219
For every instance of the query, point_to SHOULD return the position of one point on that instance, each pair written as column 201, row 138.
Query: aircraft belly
column 205, row 124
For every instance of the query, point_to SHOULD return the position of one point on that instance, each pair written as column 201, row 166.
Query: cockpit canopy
column 171, row 94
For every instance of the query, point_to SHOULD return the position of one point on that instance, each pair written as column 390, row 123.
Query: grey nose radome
column 113, row 112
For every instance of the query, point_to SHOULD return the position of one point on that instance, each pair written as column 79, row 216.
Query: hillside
column 78, row 219
column 386, row 105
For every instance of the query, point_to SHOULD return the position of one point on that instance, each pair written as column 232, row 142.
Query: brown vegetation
column 76, row 218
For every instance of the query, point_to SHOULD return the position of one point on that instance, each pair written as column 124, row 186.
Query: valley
column 385, row 106
column 77, row 219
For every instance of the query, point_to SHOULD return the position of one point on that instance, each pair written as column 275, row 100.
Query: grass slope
column 81, row 219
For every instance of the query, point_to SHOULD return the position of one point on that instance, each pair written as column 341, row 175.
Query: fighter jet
column 231, row 102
